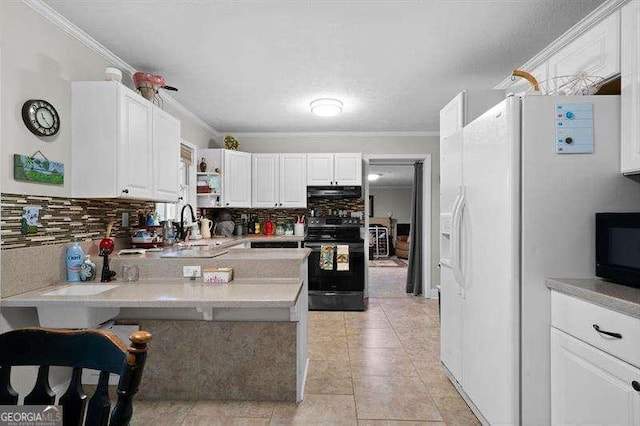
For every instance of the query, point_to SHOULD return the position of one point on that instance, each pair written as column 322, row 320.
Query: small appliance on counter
column 617, row 249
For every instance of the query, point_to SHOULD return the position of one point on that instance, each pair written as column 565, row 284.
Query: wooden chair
column 94, row 349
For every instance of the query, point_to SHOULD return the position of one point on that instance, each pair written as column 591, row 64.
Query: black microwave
column 618, row 247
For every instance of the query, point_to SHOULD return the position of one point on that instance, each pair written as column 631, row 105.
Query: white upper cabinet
column 166, row 131
column 596, row 52
column 630, row 90
column 265, row 175
column 320, row 169
column 279, row 180
column 334, row 169
column 122, row 145
column 293, row 178
column 236, row 178
column 135, row 147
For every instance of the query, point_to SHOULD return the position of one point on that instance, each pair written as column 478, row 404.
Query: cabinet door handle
column 125, row 191
column 276, row 204
column 281, row 204
column 635, row 385
column 180, row 198
column 227, row 204
column 596, row 327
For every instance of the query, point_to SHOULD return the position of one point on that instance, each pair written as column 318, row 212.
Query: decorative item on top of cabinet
column 203, row 165
column 230, row 143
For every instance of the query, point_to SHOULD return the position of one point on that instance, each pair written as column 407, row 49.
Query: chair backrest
column 93, row 349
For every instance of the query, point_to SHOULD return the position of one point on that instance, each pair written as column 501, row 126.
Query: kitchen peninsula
column 246, row 340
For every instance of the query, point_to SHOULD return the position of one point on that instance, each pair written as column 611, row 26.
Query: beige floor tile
column 381, row 362
column 373, row 338
column 326, row 316
column 160, row 413
column 329, row 377
column 233, row 409
column 324, row 332
column 328, row 349
column 317, row 410
column 393, row 398
column 423, row 354
column 455, row 411
column 192, row 420
column 378, row 321
column 397, row 423
column 419, row 340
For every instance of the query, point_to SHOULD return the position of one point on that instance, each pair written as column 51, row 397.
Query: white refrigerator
column 520, row 186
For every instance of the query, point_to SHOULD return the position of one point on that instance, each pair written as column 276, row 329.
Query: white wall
column 371, row 144
column 396, row 201
column 40, row 61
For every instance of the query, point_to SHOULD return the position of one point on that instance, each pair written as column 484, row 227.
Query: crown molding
column 83, row 37
column 321, row 134
column 592, row 19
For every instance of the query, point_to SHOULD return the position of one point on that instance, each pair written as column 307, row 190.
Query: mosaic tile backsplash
column 321, row 206
column 62, row 219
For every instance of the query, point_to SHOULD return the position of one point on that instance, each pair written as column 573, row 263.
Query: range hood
column 334, row 191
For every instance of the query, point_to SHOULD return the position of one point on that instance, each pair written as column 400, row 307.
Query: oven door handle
column 355, row 249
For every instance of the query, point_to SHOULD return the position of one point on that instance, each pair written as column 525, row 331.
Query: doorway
column 389, row 192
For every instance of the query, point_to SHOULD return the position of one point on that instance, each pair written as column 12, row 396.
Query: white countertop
column 173, row 293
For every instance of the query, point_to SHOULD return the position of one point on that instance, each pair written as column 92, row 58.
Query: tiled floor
column 378, row 367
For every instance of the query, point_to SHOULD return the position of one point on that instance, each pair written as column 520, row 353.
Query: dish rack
column 379, row 241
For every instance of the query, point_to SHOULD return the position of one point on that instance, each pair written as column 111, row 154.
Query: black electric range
column 336, row 281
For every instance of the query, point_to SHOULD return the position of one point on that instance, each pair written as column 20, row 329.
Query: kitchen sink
column 81, row 290
column 76, row 317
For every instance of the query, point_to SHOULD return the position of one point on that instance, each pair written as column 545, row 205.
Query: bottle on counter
column 268, row 227
column 252, row 226
column 257, row 228
column 75, row 258
column 87, row 270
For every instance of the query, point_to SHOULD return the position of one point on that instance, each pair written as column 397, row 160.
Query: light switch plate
column 191, row 271
column 125, row 219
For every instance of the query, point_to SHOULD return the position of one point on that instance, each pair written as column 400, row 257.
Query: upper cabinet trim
column 70, row 28
column 598, row 15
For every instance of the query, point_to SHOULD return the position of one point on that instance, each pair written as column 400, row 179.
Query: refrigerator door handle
column 456, row 245
column 453, row 236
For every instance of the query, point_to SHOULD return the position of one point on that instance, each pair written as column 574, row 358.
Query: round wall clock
column 40, row 117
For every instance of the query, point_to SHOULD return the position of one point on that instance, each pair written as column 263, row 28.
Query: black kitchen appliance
column 333, row 289
column 334, row 191
column 618, row 247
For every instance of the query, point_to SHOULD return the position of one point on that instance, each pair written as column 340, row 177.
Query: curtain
column 415, row 269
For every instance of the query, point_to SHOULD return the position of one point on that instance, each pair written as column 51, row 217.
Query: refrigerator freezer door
column 490, row 262
column 451, row 302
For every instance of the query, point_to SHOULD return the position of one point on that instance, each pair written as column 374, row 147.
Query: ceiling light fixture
column 373, row 176
column 326, row 107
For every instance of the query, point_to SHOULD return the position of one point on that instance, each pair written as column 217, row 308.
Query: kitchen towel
column 342, row 257
column 326, row 256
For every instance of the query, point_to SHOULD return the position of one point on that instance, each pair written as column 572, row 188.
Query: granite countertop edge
column 172, row 294
column 613, row 296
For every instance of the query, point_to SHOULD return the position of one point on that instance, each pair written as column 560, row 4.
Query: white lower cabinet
column 591, row 387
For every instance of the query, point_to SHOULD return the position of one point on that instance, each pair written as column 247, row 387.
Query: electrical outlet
column 191, row 271
column 125, row 219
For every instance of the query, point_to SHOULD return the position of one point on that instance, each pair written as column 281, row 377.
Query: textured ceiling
column 247, row 66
